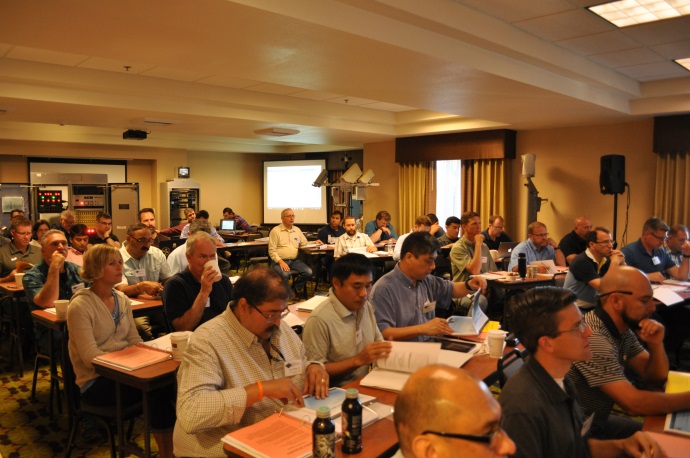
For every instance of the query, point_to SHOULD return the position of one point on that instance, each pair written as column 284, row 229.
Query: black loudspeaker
column 612, row 175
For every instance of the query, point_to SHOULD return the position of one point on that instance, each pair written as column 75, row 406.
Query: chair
column 55, row 380
column 506, row 367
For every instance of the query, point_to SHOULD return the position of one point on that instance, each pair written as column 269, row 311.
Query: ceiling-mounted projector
column 133, row 134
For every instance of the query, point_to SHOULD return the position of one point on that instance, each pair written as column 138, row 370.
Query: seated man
column 677, row 237
column 444, row 412
column 381, row 229
column 538, row 247
column 199, row 292
column 436, row 229
column 470, row 256
column 421, row 224
column 620, row 327
column 241, row 224
column 452, row 232
column 147, row 217
column 203, row 216
column 328, row 234
column 177, row 259
column 19, row 249
column 284, row 241
column 405, row 298
column 13, row 214
column 587, row 268
column 67, row 220
column 175, row 231
column 79, row 242
column 352, row 239
column 241, row 367
column 540, row 408
column 51, row 279
column 341, row 332
column 104, row 229
column 573, row 243
column 494, row 234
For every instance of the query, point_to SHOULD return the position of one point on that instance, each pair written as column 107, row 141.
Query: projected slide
column 288, row 184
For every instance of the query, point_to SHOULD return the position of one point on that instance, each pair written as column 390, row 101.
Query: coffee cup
column 496, row 340
column 213, row 263
column 61, row 309
column 178, row 341
column 18, row 279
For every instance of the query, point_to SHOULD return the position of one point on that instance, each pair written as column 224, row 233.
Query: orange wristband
column 261, row 390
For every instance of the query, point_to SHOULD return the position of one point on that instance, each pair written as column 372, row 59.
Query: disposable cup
column 496, row 340
column 18, row 279
column 61, row 309
column 494, row 254
column 213, row 263
column 178, row 341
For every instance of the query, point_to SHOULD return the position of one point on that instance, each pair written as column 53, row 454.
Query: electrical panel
column 49, row 201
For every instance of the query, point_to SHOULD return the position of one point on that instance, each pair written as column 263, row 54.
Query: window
column 448, row 190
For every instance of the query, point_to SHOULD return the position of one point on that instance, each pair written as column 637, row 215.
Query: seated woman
column 100, row 321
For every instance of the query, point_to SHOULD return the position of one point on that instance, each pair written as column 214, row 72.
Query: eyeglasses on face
column 22, row 234
column 658, row 237
column 579, row 328
column 492, row 439
column 629, row 293
column 146, row 241
column 545, row 234
column 500, row 228
column 273, row 316
column 605, row 242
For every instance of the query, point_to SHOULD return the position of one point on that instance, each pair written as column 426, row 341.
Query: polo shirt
column 532, row 253
column 572, row 243
column 493, row 244
column 94, row 239
column 461, row 255
column 151, row 267
column 371, row 227
column 180, row 292
column 284, row 243
column 326, row 234
column 10, row 254
column 582, row 270
column 636, row 256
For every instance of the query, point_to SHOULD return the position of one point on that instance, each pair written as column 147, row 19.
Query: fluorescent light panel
column 625, row 13
column 684, row 63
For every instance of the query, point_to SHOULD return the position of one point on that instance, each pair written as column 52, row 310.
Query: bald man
column 621, row 318
column 573, row 243
column 444, row 412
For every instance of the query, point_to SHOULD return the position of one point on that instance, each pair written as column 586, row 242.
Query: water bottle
column 522, row 265
column 323, row 434
column 352, row 422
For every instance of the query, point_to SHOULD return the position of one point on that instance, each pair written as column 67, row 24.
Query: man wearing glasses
column 587, row 268
column 621, row 325
column 242, row 366
column 104, row 229
column 495, row 233
column 145, row 271
column 19, row 249
column 540, row 408
column 538, row 247
column 445, row 412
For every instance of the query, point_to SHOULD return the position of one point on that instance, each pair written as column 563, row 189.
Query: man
column 199, row 292
column 445, row 412
column 677, row 237
column 381, row 228
column 405, row 298
column 241, row 224
column 284, row 241
column 202, row 215
column 241, row 367
column 540, row 408
column 436, row 229
column 67, row 220
column 13, row 214
column 421, row 224
column 175, row 231
column 79, row 241
column 147, row 217
column 494, row 234
column 19, row 249
column 452, row 232
column 341, row 332
column 328, row 234
column 51, row 279
column 587, row 268
column 573, row 243
column 352, row 239
column 177, row 259
column 104, row 229
column 470, row 256
column 620, row 327
column 145, row 271
column 538, row 247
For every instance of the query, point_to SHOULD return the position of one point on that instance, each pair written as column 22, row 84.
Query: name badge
column 429, row 307
column 656, row 261
column 208, row 302
column 293, row 367
column 77, row 287
column 140, row 273
column 358, row 337
column 484, row 259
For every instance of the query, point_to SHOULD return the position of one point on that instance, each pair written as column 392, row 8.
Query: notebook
column 548, row 263
column 506, row 248
column 470, row 325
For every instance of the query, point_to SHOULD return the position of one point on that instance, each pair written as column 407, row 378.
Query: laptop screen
column 227, row 224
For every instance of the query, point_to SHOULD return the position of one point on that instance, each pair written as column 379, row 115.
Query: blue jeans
column 304, row 270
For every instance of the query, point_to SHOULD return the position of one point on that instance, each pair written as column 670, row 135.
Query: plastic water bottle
column 522, row 265
column 352, row 422
column 323, row 434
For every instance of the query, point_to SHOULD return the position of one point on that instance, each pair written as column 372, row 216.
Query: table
column 10, row 289
column 244, row 237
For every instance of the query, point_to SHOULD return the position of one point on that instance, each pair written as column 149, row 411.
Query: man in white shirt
column 421, row 223
column 352, row 239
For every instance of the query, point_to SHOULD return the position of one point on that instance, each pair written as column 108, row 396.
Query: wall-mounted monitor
column 183, row 172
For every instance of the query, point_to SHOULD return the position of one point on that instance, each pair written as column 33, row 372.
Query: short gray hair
column 196, row 238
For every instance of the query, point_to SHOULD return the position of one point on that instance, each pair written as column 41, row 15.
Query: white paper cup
column 18, row 279
column 496, row 340
column 61, row 309
column 178, row 341
column 494, row 254
column 213, row 263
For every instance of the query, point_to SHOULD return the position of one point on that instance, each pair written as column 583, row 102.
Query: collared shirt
column 328, row 235
column 400, row 302
column 10, row 254
column 461, row 255
column 177, row 259
column 372, row 227
column 221, row 359
column 333, row 333
column 583, row 269
column 345, row 242
column 241, row 224
column 636, row 255
column 493, row 244
column 180, row 292
column 35, row 278
column 676, row 256
column 151, row 267
column 284, row 243
column 95, row 239
column 532, row 253
column 75, row 256
column 398, row 246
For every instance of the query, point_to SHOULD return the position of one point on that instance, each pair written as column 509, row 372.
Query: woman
column 40, row 227
column 100, row 321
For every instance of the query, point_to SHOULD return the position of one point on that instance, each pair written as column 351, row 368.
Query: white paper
column 311, row 304
column 293, row 320
column 666, row 296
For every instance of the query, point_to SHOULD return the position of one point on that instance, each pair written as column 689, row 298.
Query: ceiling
column 205, row 75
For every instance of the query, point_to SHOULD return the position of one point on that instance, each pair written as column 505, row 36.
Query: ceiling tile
column 228, row 81
column 563, row 26
column 355, row 101
column 45, row 56
column 675, row 50
column 514, row 11
column 599, row 43
column 174, row 74
column 271, row 88
column 316, row 95
column 655, row 33
column 388, row 107
column 627, row 58
column 652, row 72
column 98, row 63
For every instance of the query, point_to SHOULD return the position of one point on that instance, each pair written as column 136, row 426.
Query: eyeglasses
column 629, row 293
column 545, row 234
column 500, row 228
column 273, row 316
column 492, row 439
column 143, row 240
column 579, row 327
column 22, row 234
column 660, row 238
column 605, row 242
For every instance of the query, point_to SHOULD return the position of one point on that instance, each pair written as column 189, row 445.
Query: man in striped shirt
column 620, row 325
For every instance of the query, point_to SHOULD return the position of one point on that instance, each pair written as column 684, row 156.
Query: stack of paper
column 261, row 440
column 311, row 304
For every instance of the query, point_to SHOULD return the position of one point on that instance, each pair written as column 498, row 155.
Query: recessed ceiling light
column 684, row 63
column 625, row 13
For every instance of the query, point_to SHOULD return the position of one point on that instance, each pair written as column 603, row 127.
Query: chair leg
column 33, row 384
column 72, row 437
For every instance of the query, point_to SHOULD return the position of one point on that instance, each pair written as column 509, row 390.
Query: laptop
column 470, row 325
column 227, row 225
column 506, row 248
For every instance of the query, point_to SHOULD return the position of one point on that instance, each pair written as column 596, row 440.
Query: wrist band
column 467, row 285
column 138, row 291
column 261, row 390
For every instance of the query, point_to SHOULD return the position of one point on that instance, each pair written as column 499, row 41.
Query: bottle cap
column 323, row 412
column 351, row 393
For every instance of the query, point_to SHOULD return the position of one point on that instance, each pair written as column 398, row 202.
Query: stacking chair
column 506, row 367
column 54, row 382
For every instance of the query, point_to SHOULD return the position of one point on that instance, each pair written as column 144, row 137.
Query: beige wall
column 380, row 157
